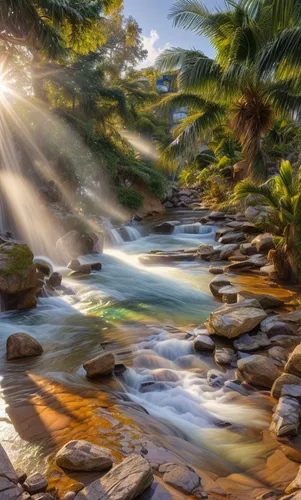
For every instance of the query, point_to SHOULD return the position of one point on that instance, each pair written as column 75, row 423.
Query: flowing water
column 141, row 314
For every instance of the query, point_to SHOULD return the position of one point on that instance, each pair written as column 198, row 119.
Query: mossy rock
column 15, row 259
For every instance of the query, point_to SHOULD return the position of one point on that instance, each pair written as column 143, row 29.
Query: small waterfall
column 129, row 233
column 196, row 228
column 115, row 236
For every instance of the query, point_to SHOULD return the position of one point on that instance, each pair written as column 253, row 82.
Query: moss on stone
column 19, row 258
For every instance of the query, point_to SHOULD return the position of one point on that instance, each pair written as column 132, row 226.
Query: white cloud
column 149, row 43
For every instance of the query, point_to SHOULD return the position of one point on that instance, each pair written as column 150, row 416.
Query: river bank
column 148, row 317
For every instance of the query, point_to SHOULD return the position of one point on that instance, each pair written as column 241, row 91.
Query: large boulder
column 294, row 362
column 75, row 243
column 257, row 214
column 124, row 482
column 83, row 456
column 100, row 366
column 22, row 345
column 231, row 321
column 258, row 370
column 20, row 281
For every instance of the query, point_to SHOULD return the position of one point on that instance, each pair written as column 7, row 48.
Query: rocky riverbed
column 99, row 430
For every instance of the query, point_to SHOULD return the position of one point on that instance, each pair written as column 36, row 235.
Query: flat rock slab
column 22, row 345
column 124, row 482
column 181, row 477
column 233, row 321
column 83, row 456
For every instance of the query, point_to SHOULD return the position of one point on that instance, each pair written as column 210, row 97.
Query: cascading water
column 196, row 228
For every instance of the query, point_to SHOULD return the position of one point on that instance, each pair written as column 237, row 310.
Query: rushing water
column 142, row 314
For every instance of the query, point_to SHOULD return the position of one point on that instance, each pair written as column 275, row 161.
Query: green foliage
column 154, row 181
column 283, row 197
column 129, row 198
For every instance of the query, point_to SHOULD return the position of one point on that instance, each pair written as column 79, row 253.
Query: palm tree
column 283, row 197
column 244, row 82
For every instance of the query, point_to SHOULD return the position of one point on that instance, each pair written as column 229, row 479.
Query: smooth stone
column 229, row 294
column 164, row 228
column 286, row 417
column 55, row 280
column 224, row 355
column 252, row 342
column 205, row 251
column 84, row 269
column 217, row 283
column 36, row 483
column 124, row 482
column 96, row 266
column 232, row 238
column 203, row 343
column 100, row 365
column 293, row 364
column 74, row 265
column 22, row 345
column 216, row 270
column 263, row 242
column 217, row 215
column 227, row 250
column 181, row 477
column 248, row 249
column 285, row 380
column 231, row 321
column 279, row 355
column 215, row 378
column 258, row 370
column 83, row 456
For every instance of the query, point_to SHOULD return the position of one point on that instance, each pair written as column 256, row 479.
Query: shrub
column 129, row 198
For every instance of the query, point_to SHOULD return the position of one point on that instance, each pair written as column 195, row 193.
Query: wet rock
column 205, row 251
column 164, row 228
column 70, row 495
column 100, row 366
column 165, row 375
column 224, row 356
column 248, row 249
column 22, row 345
column 215, row 378
column 286, row 417
column 124, row 482
column 272, row 326
column 266, row 301
column 290, row 384
column 264, row 242
column 83, row 270
column 43, row 267
column 96, row 266
column 217, row 215
column 74, row 265
column 251, row 343
column 258, row 370
column 231, row 321
column 227, row 250
column 279, row 355
column 9, row 487
column 75, row 243
column 181, row 477
column 119, row 369
column 232, row 238
column 203, row 343
column 294, row 362
column 20, row 281
column 55, row 280
column 216, row 270
column 35, row 484
column 217, row 283
column 229, row 294
column 83, row 456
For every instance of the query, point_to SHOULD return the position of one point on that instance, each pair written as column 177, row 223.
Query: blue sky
column 158, row 32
